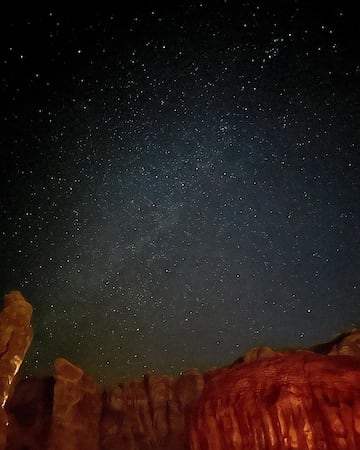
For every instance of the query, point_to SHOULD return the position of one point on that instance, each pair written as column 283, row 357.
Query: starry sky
column 179, row 182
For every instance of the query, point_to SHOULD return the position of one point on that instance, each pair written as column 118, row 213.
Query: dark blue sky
column 180, row 183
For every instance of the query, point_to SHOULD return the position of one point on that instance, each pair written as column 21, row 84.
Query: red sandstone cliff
column 298, row 400
column 267, row 400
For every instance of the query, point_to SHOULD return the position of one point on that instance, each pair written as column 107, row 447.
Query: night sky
column 180, row 183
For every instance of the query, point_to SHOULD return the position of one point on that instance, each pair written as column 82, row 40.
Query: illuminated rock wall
column 266, row 400
column 76, row 410
column 299, row 400
column 15, row 339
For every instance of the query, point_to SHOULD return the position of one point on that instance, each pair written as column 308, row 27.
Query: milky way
column 181, row 183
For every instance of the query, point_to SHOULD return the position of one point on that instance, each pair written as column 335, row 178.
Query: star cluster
column 180, row 183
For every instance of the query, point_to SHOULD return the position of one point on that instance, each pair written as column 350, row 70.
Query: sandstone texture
column 15, row 339
column 265, row 400
column 150, row 413
column 296, row 400
column 76, row 409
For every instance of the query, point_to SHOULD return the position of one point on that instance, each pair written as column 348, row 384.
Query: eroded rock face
column 150, row 413
column 15, row 338
column 76, row 409
column 293, row 401
column 266, row 400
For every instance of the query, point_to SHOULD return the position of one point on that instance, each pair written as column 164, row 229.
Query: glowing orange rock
column 76, row 409
column 15, row 338
column 294, row 401
column 266, row 400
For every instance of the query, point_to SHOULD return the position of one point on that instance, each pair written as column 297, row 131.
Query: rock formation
column 150, row 413
column 265, row 400
column 296, row 400
column 76, row 409
column 15, row 339
column 29, row 411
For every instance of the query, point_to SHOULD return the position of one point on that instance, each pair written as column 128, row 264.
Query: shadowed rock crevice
column 30, row 412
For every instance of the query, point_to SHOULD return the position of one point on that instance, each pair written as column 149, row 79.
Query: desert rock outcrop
column 297, row 400
column 15, row 339
column 265, row 400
